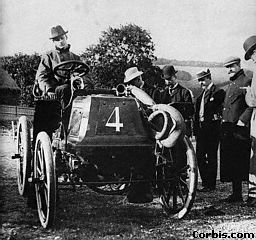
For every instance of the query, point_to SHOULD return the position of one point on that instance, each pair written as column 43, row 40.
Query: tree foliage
column 117, row 50
column 22, row 68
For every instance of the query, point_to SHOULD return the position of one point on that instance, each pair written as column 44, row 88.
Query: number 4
column 117, row 123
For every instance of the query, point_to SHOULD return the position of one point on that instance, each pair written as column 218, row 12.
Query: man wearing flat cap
column 208, row 111
column 178, row 96
column 250, row 53
column 235, row 140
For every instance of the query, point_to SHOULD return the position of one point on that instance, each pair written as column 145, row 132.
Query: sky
column 205, row 30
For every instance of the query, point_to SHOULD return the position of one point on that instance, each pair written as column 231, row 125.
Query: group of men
column 228, row 117
column 219, row 116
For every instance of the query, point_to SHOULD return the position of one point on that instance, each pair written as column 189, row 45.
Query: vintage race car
column 115, row 138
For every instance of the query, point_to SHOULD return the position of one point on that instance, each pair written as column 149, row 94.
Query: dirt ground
column 84, row 214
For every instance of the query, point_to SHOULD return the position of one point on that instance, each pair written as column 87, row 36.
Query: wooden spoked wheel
column 178, row 176
column 45, row 180
column 24, row 155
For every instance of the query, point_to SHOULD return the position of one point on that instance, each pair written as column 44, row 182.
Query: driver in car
column 47, row 116
column 48, row 82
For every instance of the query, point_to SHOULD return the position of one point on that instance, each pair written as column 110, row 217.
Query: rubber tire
column 24, row 150
column 45, row 187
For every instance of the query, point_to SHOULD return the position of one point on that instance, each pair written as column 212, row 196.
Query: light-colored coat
column 45, row 76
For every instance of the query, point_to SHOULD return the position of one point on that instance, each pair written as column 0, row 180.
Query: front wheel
column 177, row 174
column 45, row 180
column 24, row 155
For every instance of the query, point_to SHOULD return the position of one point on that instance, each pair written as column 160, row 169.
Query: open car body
column 115, row 138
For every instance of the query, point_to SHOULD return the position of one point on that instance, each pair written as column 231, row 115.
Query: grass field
column 84, row 214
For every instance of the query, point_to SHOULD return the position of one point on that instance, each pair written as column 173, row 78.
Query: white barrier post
column 13, row 130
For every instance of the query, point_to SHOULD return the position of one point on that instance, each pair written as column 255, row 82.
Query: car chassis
column 113, row 136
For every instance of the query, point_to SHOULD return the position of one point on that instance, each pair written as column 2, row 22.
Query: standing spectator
column 208, row 112
column 235, row 141
column 250, row 53
column 178, row 96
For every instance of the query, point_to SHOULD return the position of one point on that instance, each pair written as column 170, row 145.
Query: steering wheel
column 67, row 68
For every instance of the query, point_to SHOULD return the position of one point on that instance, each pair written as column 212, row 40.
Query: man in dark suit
column 177, row 96
column 235, row 138
column 208, row 112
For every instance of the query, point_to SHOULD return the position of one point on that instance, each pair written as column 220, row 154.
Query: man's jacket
column 44, row 75
column 235, row 107
column 213, row 104
column 178, row 94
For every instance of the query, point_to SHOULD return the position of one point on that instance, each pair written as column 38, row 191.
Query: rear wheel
column 45, row 180
column 177, row 174
column 24, row 155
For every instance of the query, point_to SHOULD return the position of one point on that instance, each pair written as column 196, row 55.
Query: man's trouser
column 252, row 170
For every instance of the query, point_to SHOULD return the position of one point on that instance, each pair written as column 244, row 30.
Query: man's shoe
column 206, row 189
column 233, row 199
column 250, row 202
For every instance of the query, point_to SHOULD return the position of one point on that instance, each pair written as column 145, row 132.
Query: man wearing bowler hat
column 235, row 140
column 208, row 111
column 250, row 53
column 178, row 96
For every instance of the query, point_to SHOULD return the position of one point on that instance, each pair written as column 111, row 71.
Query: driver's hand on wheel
column 77, row 82
column 50, row 95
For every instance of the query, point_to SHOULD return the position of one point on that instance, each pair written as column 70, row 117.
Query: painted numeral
column 117, row 124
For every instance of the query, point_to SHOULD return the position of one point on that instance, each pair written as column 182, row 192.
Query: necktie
column 201, row 112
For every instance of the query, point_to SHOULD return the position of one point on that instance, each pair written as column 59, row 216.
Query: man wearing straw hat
column 208, row 111
column 235, row 139
column 250, row 53
column 133, row 77
column 140, row 192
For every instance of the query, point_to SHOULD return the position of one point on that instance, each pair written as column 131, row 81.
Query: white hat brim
column 129, row 78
